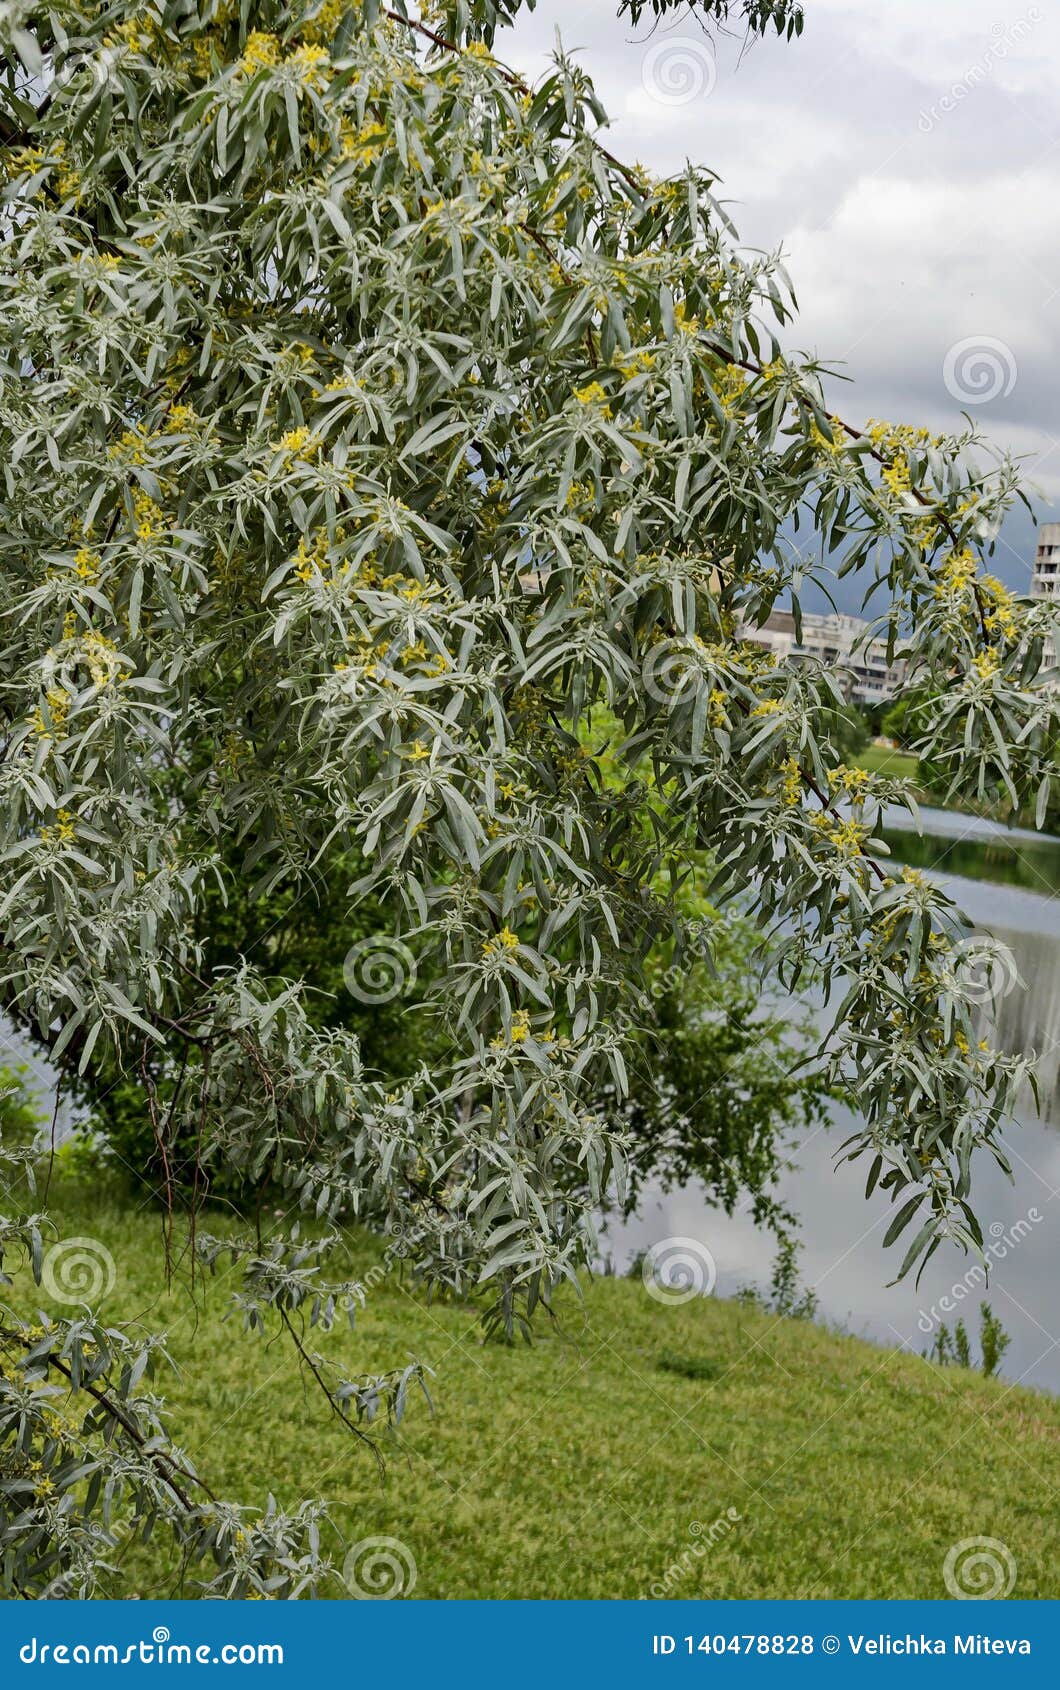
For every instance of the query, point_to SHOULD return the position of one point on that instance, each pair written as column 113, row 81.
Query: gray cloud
column 905, row 157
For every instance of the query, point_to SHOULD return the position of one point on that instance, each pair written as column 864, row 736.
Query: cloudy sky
column 906, row 156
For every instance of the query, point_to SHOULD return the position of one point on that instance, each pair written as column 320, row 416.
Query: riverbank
column 637, row 1448
column 882, row 760
column 897, row 764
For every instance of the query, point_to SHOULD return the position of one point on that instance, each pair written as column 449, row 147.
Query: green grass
column 896, row 765
column 584, row 1465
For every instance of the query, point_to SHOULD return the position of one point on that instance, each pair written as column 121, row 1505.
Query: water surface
column 842, row 1255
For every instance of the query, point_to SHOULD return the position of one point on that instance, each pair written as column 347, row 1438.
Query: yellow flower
column 311, row 65
column 999, row 607
column 58, row 702
column 821, row 440
column 130, row 448
column 101, row 655
column 593, row 394
column 261, row 52
column 924, row 532
column 851, row 780
column 360, row 144
column 181, row 419
column 22, row 161
column 101, row 262
column 323, row 26
column 149, row 518
column 958, row 573
column 792, row 784
column 718, row 715
column 896, row 476
column 300, row 442
column 67, row 177
column 418, row 753
column 986, row 664
column 202, row 53
column 505, row 940
column 847, row 838
column 899, row 437
column 87, row 563
column 137, row 34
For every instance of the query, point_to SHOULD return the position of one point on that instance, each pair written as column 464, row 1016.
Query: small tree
column 366, row 417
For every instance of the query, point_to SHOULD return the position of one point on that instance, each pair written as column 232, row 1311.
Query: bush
column 21, row 1118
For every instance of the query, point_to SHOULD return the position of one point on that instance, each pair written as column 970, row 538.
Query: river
column 1014, row 898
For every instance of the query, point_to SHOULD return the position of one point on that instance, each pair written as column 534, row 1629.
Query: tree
column 786, row 17
column 391, row 427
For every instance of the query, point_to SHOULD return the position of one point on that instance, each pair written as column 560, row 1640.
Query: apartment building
column 1045, row 579
column 839, row 642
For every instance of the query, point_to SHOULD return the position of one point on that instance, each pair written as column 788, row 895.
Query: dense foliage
column 786, row 17
column 364, row 417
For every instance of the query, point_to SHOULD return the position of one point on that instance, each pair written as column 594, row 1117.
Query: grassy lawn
column 897, row 765
column 586, row 1465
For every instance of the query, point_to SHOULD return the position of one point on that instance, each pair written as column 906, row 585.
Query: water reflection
column 1033, row 865
column 842, row 1254
column 842, row 1234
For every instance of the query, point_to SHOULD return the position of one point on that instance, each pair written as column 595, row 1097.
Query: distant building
column 1045, row 581
column 865, row 676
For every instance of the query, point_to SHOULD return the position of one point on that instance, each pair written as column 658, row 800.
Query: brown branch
column 157, row 1458
column 881, row 458
column 511, row 78
column 311, row 1364
column 516, row 82
column 156, row 1128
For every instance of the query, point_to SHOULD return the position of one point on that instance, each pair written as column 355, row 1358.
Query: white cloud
column 906, row 157
column 939, row 45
